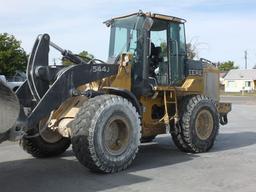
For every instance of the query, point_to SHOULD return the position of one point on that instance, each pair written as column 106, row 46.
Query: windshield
column 125, row 35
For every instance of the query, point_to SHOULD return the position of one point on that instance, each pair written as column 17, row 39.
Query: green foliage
column 84, row 55
column 227, row 66
column 12, row 56
column 191, row 51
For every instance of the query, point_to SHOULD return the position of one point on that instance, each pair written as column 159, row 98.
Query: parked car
column 14, row 82
column 2, row 78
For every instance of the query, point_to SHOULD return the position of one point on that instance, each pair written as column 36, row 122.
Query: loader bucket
column 9, row 108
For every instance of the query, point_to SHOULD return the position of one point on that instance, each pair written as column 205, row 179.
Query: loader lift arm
column 71, row 79
column 47, row 87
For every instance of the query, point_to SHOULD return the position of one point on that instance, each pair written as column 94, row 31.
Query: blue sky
column 222, row 30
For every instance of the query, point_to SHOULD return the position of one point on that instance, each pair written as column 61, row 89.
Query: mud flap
column 9, row 108
column 224, row 109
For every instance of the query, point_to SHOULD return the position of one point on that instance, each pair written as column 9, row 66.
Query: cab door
column 177, row 53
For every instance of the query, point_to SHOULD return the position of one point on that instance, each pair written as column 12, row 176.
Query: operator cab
column 157, row 43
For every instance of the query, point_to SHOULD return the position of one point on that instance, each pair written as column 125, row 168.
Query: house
column 238, row 80
column 222, row 75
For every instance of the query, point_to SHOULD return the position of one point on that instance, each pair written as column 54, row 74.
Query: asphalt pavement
column 229, row 167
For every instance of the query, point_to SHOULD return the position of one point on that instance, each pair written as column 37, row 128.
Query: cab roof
column 154, row 15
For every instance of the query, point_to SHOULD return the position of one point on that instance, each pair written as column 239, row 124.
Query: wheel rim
column 47, row 134
column 204, row 124
column 116, row 135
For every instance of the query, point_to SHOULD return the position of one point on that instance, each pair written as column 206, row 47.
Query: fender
column 126, row 94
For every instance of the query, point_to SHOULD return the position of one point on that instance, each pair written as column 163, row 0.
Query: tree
column 84, row 55
column 227, row 66
column 191, row 51
column 12, row 55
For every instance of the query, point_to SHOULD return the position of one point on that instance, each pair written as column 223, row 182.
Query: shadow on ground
column 228, row 141
column 66, row 174
column 58, row 175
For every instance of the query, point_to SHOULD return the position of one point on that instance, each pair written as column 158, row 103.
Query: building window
column 247, row 83
column 231, row 84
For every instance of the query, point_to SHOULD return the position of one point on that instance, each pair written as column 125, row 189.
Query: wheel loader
column 147, row 87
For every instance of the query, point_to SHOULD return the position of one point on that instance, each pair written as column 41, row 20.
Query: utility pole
column 245, row 58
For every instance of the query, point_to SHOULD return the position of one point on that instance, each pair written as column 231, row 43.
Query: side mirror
column 148, row 23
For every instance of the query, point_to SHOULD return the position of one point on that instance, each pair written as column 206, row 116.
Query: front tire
column 106, row 134
column 43, row 142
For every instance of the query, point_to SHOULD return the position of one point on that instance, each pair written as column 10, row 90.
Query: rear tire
column 199, row 124
column 106, row 134
column 177, row 137
column 179, row 142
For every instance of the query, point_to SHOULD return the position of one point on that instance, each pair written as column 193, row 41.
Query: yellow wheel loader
column 106, row 109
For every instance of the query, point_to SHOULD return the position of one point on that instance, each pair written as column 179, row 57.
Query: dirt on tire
column 89, row 133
